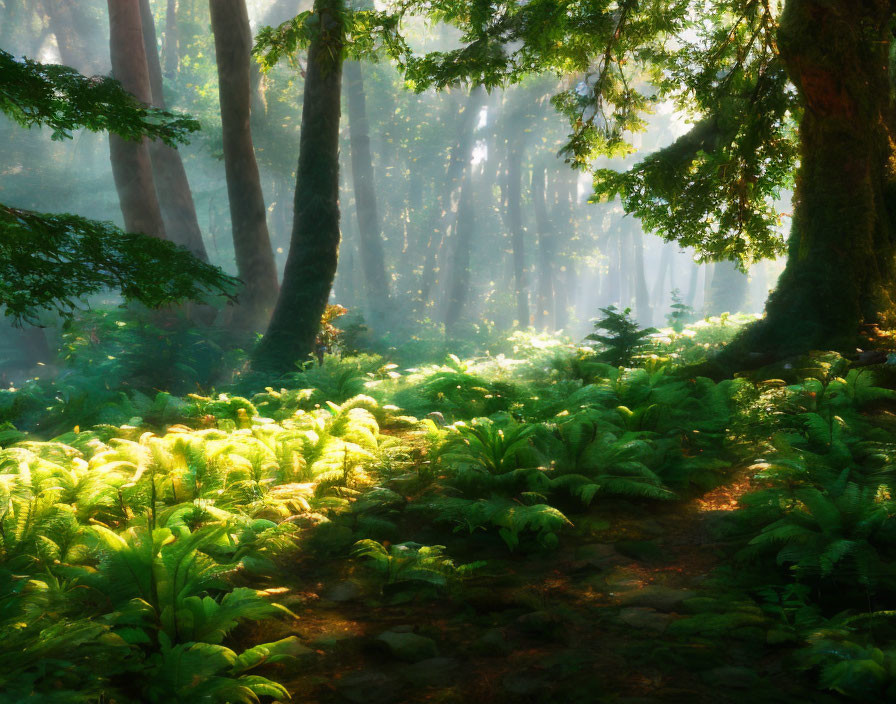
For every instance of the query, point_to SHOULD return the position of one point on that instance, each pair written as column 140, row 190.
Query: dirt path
column 603, row 619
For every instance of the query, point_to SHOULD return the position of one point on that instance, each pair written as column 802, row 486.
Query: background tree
column 252, row 243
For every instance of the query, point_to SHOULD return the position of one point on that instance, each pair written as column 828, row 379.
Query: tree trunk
column 643, row 310
column 458, row 292
column 545, row 299
column 314, row 246
column 514, row 212
column 370, row 241
column 77, row 37
column 170, row 47
column 727, row 292
column 251, row 240
column 841, row 269
column 131, row 165
column 454, row 177
column 172, row 186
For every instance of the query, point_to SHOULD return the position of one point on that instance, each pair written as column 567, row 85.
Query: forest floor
column 593, row 621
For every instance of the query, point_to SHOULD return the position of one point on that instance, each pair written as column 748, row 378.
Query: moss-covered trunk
column 314, row 245
column 251, row 239
column 841, row 270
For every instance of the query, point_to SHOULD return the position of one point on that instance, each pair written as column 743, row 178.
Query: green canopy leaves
column 50, row 262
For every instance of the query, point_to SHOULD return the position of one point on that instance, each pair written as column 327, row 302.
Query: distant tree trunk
column 170, row 46
column 370, row 241
column 543, row 311
column 314, row 247
column 131, row 165
column 76, row 36
column 454, row 177
column 172, row 186
column 251, row 240
column 657, row 296
column 692, row 284
column 458, row 293
column 513, row 208
column 643, row 311
column 727, row 293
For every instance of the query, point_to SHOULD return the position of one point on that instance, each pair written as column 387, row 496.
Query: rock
column 492, row 642
column 524, row 684
column 597, row 555
column 538, row 623
column 433, row 672
column 641, row 550
column 343, row 591
column 341, row 642
column 408, row 646
column 645, row 619
column 658, row 597
column 368, row 687
column 731, row 676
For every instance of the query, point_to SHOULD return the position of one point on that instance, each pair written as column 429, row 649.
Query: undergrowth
column 139, row 527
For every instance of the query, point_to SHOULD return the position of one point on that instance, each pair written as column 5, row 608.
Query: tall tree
column 131, row 164
column 514, row 214
column 172, row 187
column 748, row 71
column 458, row 288
column 251, row 239
column 370, row 241
column 544, row 317
column 314, row 245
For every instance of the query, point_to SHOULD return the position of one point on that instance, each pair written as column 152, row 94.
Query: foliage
column 58, row 97
column 623, row 338
column 681, row 313
column 53, row 262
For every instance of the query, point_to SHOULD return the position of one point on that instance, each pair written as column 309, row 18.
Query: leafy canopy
column 58, row 97
column 50, row 262
column 715, row 61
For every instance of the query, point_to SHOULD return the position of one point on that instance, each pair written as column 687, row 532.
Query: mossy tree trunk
column 131, row 165
column 314, row 245
column 841, row 268
column 172, row 186
column 251, row 239
column 373, row 261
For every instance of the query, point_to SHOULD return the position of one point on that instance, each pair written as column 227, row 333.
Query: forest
column 454, row 351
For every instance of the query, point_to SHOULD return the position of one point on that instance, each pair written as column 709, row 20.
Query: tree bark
column 370, row 241
column 131, row 165
column 314, row 246
column 251, row 239
column 172, row 187
column 840, row 275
